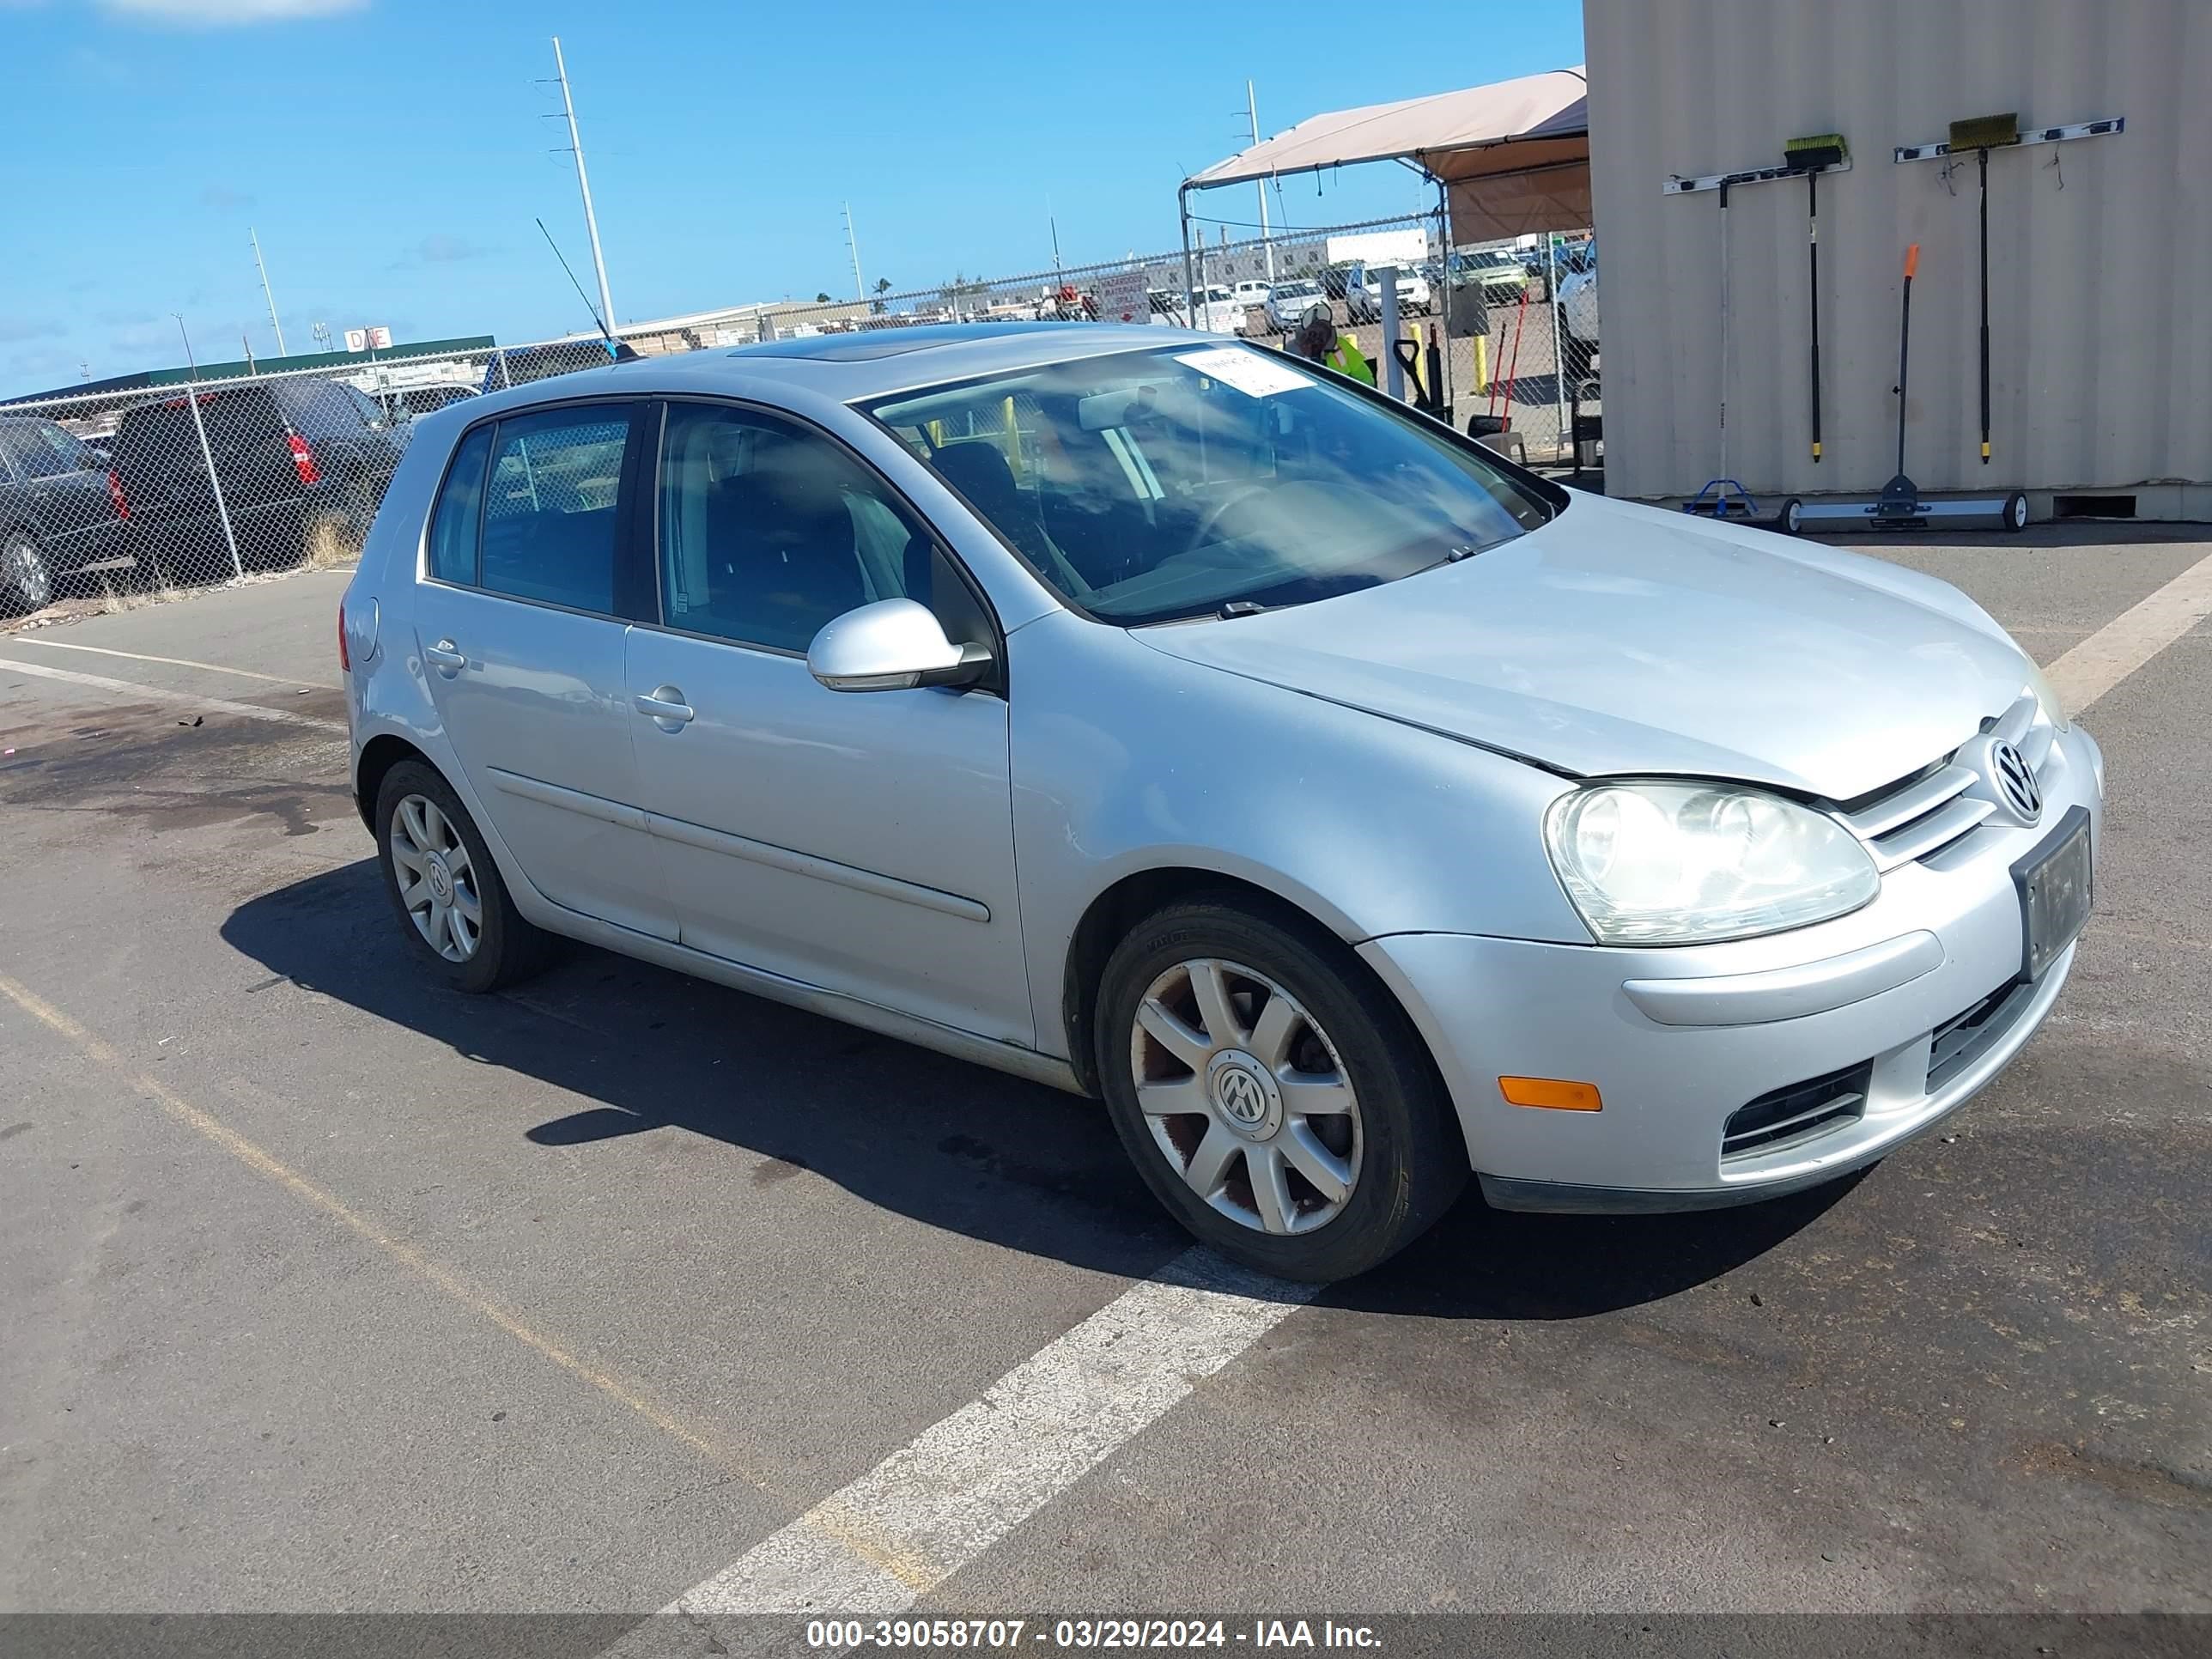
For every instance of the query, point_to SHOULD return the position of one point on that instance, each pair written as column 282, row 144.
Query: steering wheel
column 1285, row 498
column 1211, row 521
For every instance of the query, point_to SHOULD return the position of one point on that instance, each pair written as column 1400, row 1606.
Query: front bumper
column 1678, row 1041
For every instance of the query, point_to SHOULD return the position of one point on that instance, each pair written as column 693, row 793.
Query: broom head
column 1822, row 149
column 1985, row 132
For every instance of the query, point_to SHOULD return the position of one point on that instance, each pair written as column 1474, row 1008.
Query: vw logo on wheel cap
column 1245, row 1093
column 1241, row 1097
column 2015, row 781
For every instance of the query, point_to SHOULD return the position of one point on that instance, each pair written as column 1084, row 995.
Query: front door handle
column 667, row 707
column 446, row 657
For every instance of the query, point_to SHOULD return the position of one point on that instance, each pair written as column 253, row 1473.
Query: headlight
column 2047, row 698
column 1690, row 863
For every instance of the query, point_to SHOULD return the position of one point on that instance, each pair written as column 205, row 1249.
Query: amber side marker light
column 1552, row 1093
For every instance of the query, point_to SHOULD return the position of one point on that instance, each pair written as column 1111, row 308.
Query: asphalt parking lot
column 325, row 1290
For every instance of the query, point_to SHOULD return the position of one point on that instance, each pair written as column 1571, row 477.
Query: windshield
column 1155, row 486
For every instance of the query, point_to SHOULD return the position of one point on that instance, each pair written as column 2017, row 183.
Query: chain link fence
column 180, row 481
column 1502, row 335
column 163, row 488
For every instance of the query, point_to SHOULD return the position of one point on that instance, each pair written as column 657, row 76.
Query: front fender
column 1125, row 760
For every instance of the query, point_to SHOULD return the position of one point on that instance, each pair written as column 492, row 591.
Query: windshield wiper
column 1236, row 608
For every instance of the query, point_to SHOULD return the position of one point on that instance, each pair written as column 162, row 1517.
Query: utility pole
column 853, row 245
column 1252, row 110
column 584, row 185
column 260, row 266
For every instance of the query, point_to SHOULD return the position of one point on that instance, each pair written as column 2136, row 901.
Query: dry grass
column 331, row 545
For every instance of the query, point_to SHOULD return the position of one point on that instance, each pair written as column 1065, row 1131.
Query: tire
column 27, row 580
column 1792, row 520
column 506, row 947
column 2015, row 512
column 1399, row 1142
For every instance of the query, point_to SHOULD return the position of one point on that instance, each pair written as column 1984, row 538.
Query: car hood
column 1619, row 639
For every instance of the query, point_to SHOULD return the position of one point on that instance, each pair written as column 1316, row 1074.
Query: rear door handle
column 667, row 707
column 446, row 657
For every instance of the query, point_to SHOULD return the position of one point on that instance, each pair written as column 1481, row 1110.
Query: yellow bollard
column 1013, row 441
column 1482, row 365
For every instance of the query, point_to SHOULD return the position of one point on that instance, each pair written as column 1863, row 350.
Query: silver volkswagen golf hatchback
column 1169, row 721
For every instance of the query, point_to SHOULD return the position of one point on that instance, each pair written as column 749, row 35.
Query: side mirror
column 893, row 645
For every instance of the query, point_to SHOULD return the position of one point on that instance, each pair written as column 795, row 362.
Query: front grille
column 1963, row 1038
column 1927, row 810
column 1783, row 1117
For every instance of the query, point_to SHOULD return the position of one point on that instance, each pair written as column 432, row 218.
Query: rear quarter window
column 455, row 520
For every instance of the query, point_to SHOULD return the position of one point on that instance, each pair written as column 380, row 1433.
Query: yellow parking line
column 445, row 1279
column 2132, row 638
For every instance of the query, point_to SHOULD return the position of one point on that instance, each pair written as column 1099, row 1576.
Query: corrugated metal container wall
column 2100, row 251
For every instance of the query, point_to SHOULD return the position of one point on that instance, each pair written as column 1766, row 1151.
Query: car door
column 63, row 501
column 858, row 842
column 519, row 625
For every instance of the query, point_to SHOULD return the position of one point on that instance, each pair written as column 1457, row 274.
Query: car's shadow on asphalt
column 952, row 1145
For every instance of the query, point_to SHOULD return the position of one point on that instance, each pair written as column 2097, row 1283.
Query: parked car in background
column 1662, row 864
column 408, row 403
column 1363, row 298
column 1217, row 310
column 60, row 510
column 1578, row 302
column 1497, row 275
column 507, row 366
column 1288, row 304
column 296, row 458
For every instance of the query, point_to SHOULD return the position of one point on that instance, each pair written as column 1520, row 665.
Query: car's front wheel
column 449, row 895
column 26, row 582
column 1275, row 1098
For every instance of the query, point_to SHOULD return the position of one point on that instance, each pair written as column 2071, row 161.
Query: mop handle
column 1905, row 348
column 1984, row 154
column 1813, row 294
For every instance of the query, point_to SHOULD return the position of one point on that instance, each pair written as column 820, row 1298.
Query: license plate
column 2056, row 882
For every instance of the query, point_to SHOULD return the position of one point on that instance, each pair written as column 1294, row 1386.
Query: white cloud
column 214, row 13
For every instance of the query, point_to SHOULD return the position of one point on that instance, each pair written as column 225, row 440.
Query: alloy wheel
column 1246, row 1096
column 24, row 571
column 437, row 880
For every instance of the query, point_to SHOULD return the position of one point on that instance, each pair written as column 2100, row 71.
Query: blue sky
column 392, row 154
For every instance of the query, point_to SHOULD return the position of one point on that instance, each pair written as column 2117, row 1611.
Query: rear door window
column 550, row 505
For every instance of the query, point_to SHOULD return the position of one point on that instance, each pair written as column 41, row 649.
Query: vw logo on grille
column 2015, row 781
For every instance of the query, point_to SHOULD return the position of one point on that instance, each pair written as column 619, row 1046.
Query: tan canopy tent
column 1512, row 158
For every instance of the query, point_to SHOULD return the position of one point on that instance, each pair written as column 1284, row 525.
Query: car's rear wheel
column 26, row 582
column 447, row 892
column 1275, row 1098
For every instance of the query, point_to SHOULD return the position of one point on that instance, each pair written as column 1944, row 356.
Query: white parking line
column 2132, row 638
column 178, row 699
column 172, row 662
column 936, row 1503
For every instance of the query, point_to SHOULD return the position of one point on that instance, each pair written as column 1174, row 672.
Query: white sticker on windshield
column 1254, row 373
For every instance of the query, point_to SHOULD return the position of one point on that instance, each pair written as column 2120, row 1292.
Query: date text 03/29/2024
column 1009, row 1635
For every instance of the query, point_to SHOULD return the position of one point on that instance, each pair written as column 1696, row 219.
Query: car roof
column 848, row 367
